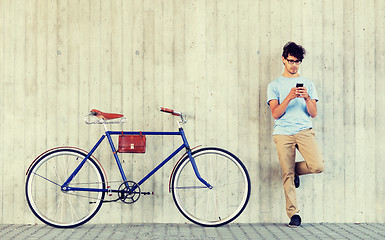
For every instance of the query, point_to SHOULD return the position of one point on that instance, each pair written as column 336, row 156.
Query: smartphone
column 299, row 85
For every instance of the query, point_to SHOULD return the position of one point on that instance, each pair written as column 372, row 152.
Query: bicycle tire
column 225, row 201
column 59, row 208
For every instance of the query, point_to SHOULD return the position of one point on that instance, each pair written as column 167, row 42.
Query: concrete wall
column 211, row 59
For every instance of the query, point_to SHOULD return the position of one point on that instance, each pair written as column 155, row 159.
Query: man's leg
column 286, row 154
column 308, row 147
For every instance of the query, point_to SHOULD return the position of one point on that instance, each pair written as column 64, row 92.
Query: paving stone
column 190, row 231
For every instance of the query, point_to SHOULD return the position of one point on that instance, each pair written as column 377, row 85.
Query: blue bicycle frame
column 108, row 134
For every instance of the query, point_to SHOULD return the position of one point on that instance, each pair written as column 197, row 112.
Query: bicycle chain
column 121, row 196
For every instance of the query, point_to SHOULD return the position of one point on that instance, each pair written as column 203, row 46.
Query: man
column 293, row 100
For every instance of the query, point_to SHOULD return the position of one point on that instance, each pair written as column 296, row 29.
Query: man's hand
column 302, row 93
column 293, row 94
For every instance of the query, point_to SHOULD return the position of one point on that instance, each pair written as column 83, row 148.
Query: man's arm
column 311, row 104
column 277, row 110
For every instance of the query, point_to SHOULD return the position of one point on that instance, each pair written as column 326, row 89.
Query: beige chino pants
column 286, row 148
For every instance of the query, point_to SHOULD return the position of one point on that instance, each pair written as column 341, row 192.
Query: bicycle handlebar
column 167, row 110
column 181, row 115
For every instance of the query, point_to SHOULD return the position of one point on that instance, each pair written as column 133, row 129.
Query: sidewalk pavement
column 190, row 231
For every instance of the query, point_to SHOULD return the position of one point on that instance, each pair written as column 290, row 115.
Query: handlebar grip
column 162, row 109
column 167, row 110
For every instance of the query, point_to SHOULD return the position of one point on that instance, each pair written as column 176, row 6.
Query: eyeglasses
column 291, row 62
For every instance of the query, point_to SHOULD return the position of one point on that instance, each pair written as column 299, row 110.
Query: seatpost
column 104, row 124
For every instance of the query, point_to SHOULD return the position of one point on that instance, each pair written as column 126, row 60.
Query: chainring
column 129, row 192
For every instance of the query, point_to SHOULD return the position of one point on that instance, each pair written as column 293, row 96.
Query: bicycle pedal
column 147, row 193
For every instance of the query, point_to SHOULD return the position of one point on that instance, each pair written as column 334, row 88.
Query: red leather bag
column 132, row 143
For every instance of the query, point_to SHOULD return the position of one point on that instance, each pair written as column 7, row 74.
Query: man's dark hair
column 291, row 48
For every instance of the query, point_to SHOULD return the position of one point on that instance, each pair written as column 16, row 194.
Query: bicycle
column 66, row 186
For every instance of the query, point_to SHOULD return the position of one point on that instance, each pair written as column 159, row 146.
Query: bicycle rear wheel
column 219, row 205
column 59, row 208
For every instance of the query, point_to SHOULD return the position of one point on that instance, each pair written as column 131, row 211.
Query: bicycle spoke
column 192, row 187
column 60, row 207
column 72, row 208
column 47, row 179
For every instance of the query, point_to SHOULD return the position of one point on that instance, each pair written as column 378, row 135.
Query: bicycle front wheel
column 219, row 205
column 59, row 208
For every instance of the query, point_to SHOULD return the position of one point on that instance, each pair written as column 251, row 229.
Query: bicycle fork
column 192, row 160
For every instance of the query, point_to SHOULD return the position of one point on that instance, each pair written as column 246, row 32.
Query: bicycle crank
column 129, row 192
